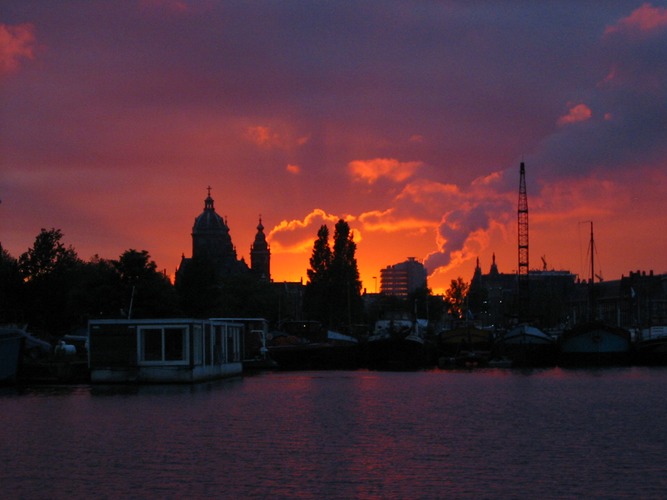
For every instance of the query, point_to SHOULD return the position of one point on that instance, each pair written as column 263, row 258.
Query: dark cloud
column 628, row 123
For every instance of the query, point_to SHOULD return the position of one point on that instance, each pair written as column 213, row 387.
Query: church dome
column 210, row 236
column 209, row 221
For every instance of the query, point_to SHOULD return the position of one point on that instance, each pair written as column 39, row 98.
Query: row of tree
column 333, row 291
column 52, row 290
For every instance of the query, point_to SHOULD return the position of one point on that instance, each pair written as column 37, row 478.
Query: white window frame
column 177, row 362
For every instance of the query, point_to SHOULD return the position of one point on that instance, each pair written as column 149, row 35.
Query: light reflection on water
column 435, row 434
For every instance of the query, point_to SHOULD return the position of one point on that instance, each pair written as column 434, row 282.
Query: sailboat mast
column 592, row 255
column 522, row 216
column 591, row 297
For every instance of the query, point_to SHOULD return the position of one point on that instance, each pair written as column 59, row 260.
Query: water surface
column 344, row 434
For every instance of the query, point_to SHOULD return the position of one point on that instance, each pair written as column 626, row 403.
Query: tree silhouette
column 346, row 303
column 455, row 297
column 149, row 293
column 49, row 270
column 333, row 292
column 11, row 289
column 47, row 257
column 316, row 294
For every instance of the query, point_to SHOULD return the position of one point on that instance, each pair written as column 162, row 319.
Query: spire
column 494, row 267
column 208, row 202
column 477, row 276
column 260, row 254
column 260, row 239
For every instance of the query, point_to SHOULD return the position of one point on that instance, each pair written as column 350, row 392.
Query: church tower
column 212, row 244
column 210, row 237
column 260, row 255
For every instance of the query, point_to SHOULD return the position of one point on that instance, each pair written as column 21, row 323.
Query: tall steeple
column 260, row 254
column 494, row 267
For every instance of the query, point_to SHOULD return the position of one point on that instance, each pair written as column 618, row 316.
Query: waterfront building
column 493, row 297
column 403, row 278
column 635, row 302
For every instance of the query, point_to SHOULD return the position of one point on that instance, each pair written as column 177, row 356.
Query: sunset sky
column 408, row 119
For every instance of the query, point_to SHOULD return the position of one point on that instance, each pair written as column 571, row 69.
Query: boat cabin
column 163, row 350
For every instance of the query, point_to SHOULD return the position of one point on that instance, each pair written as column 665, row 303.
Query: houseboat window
column 207, row 347
column 230, row 347
column 174, row 344
column 163, row 344
column 217, row 352
column 152, row 344
column 197, row 346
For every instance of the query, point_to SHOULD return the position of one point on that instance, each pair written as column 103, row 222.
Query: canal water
column 344, row 434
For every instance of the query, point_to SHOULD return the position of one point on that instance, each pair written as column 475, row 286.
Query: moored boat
column 651, row 346
column 11, row 344
column 527, row 345
column 172, row 350
column 397, row 344
column 594, row 343
column 465, row 346
column 307, row 345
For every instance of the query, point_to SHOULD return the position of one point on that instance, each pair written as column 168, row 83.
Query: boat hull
column 396, row 354
column 316, row 356
column 595, row 344
column 527, row 346
column 10, row 356
column 527, row 355
column 651, row 351
column 465, row 346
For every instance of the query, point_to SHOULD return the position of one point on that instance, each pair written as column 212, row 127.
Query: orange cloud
column 643, row 20
column 16, row 43
column 268, row 137
column 293, row 169
column 297, row 236
column 388, row 221
column 579, row 199
column 578, row 113
column 371, row 171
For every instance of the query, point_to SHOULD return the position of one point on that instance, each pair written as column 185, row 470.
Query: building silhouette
column 403, row 278
column 635, row 302
column 260, row 255
column 212, row 246
column 494, row 297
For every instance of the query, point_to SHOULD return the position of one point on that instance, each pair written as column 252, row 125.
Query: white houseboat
column 164, row 350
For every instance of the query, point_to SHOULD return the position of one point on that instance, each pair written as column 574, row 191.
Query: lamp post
column 375, row 278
